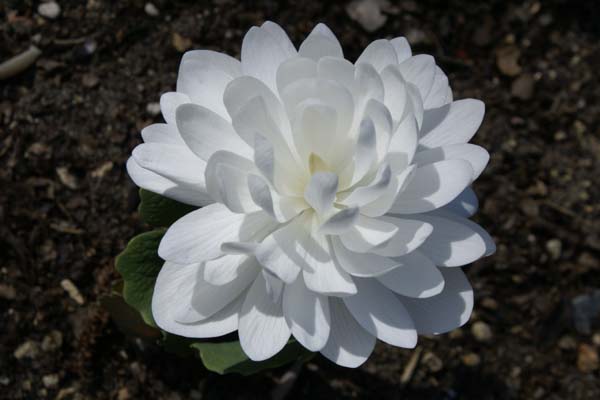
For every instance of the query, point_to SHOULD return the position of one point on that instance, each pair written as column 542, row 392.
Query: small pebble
column 432, row 362
column 367, row 13
column 50, row 10
column 28, row 349
column 52, row 341
column 567, row 343
column 554, row 247
column 522, row 87
column 153, row 108
column 481, row 331
column 50, row 381
column 471, row 360
column 72, row 290
column 151, row 10
column 587, row 358
column 4, row 380
column 7, row 292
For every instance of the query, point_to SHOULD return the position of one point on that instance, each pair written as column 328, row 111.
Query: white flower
column 335, row 196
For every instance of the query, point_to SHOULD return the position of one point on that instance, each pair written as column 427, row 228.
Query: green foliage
column 160, row 211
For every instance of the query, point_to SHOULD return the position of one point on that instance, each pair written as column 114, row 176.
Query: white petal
column 198, row 236
column 213, row 60
column 490, row 246
column 416, row 276
column 446, row 311
column 162, row 133
column 420, row 71
column 167, row 295
column 368, row 233
column 366, row 149
column 337, row 69
column 307, row 315
column 227, row 180
column 453, row 242
column 380, row 312
column 433, row 186
column 262, row 327
column 415, row 104
column 477, row 156
column 438, row 96
column 206, row 132
column 171, row 161
column 383, row 123
column 169, row 102
column 280, row 36
column 281, row 208
column 208, row 299
column 340, row 221
column 396, row 96
column 402, row 48
column 411, row 234
column 382, row 205
column 262, row 54
column 464, row 205
column 278, row 252
column 362, row 264
column 225, row 269
column 349, row 345
column 453, row 123
column 403, row 144
column 321, row 191
column 186, row 193
column 314, row 128
column 320, row 43
column 295, row 69
column 274, row 285
column 379, row 53
column 366, row 194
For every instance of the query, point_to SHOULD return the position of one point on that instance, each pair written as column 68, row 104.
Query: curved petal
column 321, row 42
column 396, row 96
column 379, row 53
column 162, row 133
column 438, row 96
column 295, row 69
column 402, row 48
column 198, row 236
column 169, row 102
column 280, row 36
column 362, row 264
column 368, row 233
column 366, row 194
column 278, row 252
column 464, row 205
column 168, row 294
column 411, row 234
column 433, row 186
column 420, row 71
column 307, row 315
column 225, row 269
column 205, row 132
column 321, row 191
column 175, row 162
column 403, row 144
column 282, row 208
column 380, row 312
column 262, row 327
column 417, row 276
column 186, row 193
column 448, row 310
column 340, row 222
column 452, row 123
column 454, row 241
column 382, row 205
column 477, row 156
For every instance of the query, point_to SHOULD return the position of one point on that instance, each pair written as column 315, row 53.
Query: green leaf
column 157, row 210
column 228, row 357
column 139, row 265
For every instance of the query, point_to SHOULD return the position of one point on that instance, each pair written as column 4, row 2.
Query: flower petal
column 321, row 191
column 198, row 236
column 379, row 53
column 321, row 42
column 382, row 205
column 262, row 327
column 477, row 156
column 454, row 242
column 295, row 69
column 464, row 205
column 452, row 123
column 402, row 48
column 420, row 71
column 380, row 312
column 368, row 233
column 411, row 234
column 225, row 269
column 396, row 96
column 362, row 264
column 205, row 132
column 438, row 96
column 282, row 208
column 167, row 294
column 403, row 144
column 416, row 276
column 349, row 345
column 366, row 194
column 169, row 102
column 340, row 222
column 433, row 186
column 448, row 310
column 280, row 36
column 278, row 252
column 307, row 315
column 175, row 162
column 162, row 133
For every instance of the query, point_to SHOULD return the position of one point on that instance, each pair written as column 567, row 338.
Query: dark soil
column 67, row 207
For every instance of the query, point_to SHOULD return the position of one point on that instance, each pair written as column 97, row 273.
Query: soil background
column 67, row 207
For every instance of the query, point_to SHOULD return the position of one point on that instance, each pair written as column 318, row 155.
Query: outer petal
column 225, row 269
column 307, row 314
column 198, row 236
column 453, row 123
column 280, row 36
column 205, row 132
column 168, row 294
column 362, row 264
column 438, row 96
column 433, row 186
column 169, row 102
column 349, row 345
column 262, row 327
column 162, row 133
column 403, row 144
column 411, row 234
column 454, row 242
column 381, row 313
column 379, row 54
column 321, row 190
column 446, row 311
column 186, row 193
column 477, row 156
column 403, row 51
column 277, row 253
column 368, row 233
column 175, row 162
column 320, row 43
column 465, row 205
column 420, row 71
column 416, row 277
column 383, row 204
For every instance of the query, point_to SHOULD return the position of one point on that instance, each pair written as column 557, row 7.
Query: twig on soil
column 410, row 367
column 287, row 381
column 19, row 63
